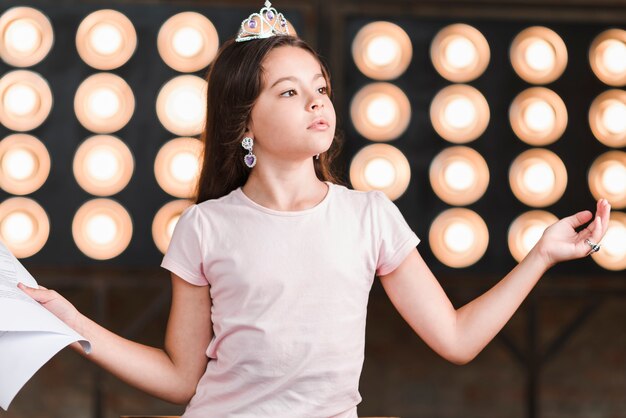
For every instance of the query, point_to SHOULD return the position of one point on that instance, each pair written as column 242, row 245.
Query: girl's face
column 293, row 117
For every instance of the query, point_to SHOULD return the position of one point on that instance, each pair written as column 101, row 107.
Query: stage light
column 458, row 237
column 612, row 256
column 459, row 113
column 526, row 230
column 188, row 42
column 382, row 50
column 607, row 118
column 24, row 164
column 607, row 178
column 177, row 166
column 24, row 226
column 538, row 177
column 165, row 221
column 25, row 99
column 459, row 175
column 380, row 111
column 104, row 103
column 538, row 55
column 181, row 105
column 380, row 167
column 106, row 39
column 102, row 229
column 103, row 165
column 607, row 57
column 538, row 116
column 460, row 53
column 26, row 36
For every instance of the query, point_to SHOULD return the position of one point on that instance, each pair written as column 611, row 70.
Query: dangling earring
column 317, row 157
column 250, row 158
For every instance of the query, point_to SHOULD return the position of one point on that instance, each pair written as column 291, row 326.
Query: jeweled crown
column 264, row 24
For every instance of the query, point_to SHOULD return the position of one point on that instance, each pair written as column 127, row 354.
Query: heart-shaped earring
column 249, row 159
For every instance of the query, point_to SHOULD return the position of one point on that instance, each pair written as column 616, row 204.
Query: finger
column 578, row 219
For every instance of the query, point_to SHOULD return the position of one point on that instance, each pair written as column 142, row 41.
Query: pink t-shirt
column 289, row 296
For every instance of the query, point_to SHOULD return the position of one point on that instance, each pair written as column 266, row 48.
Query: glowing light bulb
column 459, row 237
column 614, row 117
column 19, row 164
column 187, row 41
column 23, row 36
column 614, row 56
column 379, row 173
column 20, row 99
column 459, row 175
column 184, row 166
column 18, row 227
column 539, row 177
column 539, row 116
column 105, row 38
column 382, row 50
column 539, row 55
column 382, row 111
column 460, row 53
column 104, row 103
column 101, row 229
column 460, row 113
column 614, row 179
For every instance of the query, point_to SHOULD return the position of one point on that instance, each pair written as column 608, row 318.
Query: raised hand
column 561, row 242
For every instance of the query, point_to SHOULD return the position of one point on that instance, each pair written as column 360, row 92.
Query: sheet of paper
column 30, row 335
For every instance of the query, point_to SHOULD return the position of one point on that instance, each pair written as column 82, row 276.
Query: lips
column 319, row 123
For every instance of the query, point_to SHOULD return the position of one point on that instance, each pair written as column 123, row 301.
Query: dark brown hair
column 235, row 81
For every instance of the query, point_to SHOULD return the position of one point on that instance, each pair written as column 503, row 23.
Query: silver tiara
column 264, row 24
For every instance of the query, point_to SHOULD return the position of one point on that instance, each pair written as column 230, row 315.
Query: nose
column 316, row 104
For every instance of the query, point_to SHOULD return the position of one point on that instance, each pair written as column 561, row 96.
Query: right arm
column 171, row 374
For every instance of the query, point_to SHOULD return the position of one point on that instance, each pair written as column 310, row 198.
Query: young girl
column 272, row 267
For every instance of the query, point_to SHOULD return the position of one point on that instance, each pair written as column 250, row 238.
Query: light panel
column 459, row 175
column 538, row 116
column 607, row 118
column 538, row 177
column 26, row 36
column 102, row 229
column 165, row 221
column 538, row 55
column 177, row 166
column 380, row 111
column 607, row 178
column 188, row 42
column 607, row 57
column 460, row 53
column 459, row 113
column 181, row 105
column 103, row 165
column 26, row 100
column 382, row 50
column 380, row 167
column 106, row 39
column 458, row 237
column 526, row 230
column 24, row 164
column 104, row 103
column 612, row 255
column 24, row 226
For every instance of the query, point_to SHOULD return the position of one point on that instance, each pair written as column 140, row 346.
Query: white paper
column 30, row 335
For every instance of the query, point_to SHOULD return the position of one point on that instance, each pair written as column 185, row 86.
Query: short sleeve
column 395, row 238
column 184, row 256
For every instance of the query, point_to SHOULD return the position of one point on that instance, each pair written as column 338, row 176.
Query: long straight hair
column 235, row 81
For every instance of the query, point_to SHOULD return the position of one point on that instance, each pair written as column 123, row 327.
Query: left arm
column 459, row 335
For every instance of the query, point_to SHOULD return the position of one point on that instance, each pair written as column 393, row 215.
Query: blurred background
column 485, row 121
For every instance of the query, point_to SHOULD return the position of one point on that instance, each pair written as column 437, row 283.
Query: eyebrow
column 292, row 78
